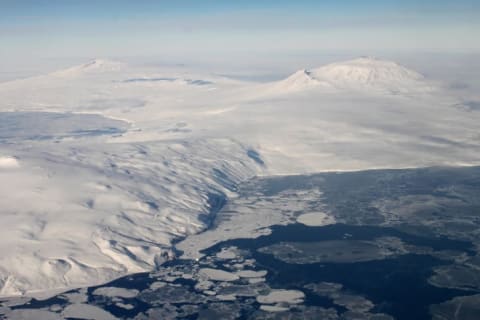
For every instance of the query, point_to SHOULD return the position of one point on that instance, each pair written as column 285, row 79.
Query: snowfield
column 102, row 165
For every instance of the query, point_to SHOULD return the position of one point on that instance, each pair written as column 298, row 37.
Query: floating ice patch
column 228, row 253
column 116, row 292
column 226, row 297
column 85, row 311
column 273, row 308
column 76, row 297
column 124, row 306
column 218, row 275
column 316, row 219
column 252, row 274
column 256, row 280
column 282, row 296
column 25, row 314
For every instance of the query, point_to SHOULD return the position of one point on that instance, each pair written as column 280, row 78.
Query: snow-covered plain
column 129, row 159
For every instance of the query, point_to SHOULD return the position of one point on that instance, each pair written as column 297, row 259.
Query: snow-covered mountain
column 366, row 73
column 103, row 166
column 93, row 66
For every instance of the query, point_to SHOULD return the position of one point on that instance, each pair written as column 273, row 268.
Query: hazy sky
column 38, row 30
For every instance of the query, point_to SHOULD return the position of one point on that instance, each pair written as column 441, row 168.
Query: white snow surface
column 86, row 311
column 251, row 274
column 316, row 219
column 268, row 308
column 116, row 292
column 366, row 73
column 218, row 275
column 82, row 209
column 281, row 295
column 77, row 311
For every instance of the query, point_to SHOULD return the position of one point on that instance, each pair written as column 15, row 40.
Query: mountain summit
column 93, row 66
column 365, row 73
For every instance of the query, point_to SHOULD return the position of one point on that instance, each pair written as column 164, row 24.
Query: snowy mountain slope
column 360, row 74
column 118, row 169
column 93, row 212
column 94, row 66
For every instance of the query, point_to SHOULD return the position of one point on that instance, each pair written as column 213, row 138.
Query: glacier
column 101, row 175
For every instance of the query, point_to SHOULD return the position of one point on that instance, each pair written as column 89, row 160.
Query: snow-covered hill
column 93, row 66
column 80, row 214
column 360, row 74
column 103, row 165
